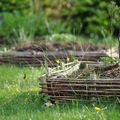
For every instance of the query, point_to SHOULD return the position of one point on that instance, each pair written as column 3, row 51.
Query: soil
column 112, row 73
column 57, row 46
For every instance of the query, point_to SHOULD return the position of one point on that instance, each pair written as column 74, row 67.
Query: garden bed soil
column 58, row 46
column 112, row 72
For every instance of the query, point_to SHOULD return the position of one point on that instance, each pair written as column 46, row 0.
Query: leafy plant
column 109, row 60
column 86, row 17
column 13, row 25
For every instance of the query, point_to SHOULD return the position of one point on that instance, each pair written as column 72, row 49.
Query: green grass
column 20, row 100
column 72, row 38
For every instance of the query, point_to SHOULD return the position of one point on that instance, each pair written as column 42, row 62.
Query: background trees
column 88, row 17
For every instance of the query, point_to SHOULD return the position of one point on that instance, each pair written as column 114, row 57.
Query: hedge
column 88, row 17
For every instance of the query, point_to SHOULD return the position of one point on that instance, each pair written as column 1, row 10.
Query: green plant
column 71, row 16
column 15, row 5
column 62, row 37
column 44, row 98
column 108, row 60
column 15, row 25
column 21, row 36
column 87, row 17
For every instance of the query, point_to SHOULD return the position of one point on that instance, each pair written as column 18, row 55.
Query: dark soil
column 57, row 46
column 112, row 73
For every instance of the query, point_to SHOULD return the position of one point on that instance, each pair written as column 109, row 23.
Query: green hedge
column 87, row 17
column 14, row 5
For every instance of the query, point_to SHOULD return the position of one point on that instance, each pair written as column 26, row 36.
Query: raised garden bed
column 41, row 58
column 62, row 85
column 41, row 54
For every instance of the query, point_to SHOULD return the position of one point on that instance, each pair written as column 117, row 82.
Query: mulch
column 58, row 46
column 112, row 73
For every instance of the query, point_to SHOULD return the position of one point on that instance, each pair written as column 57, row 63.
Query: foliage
column 109, row 60
column 14, row 24
column 62, row 37
column 88, row 16
column 14, row 5
column 38, row 18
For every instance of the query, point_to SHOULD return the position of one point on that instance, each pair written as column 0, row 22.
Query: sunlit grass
column 20, row 100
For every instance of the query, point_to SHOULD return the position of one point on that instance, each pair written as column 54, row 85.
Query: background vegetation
column 37, row 18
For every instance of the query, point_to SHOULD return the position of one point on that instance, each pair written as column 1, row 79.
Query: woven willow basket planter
column 60, row 87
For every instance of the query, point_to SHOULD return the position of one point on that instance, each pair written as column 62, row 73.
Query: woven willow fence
column 40, row 58
column 60, row 87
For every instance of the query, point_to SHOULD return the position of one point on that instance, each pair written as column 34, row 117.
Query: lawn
column 20, row 100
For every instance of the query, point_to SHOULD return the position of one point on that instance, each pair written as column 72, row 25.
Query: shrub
column 87, row 17
column 12, row 25
column 14, row 5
